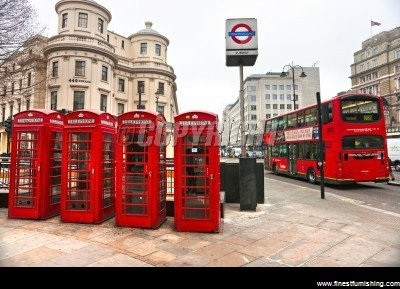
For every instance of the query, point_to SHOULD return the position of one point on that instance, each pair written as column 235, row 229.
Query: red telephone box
column 197, row 172
column 88, row 169
column 141, row 170
column 35, row 171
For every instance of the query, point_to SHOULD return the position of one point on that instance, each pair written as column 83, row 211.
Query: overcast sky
column 306, row 32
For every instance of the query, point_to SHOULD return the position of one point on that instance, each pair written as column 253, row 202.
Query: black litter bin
column 247, row 184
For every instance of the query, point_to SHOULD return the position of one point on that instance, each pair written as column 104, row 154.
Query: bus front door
column 293, row 159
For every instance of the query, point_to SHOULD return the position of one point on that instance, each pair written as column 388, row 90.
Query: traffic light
column 8, row 125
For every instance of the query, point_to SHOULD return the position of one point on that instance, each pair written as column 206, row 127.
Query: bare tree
column 18, row 23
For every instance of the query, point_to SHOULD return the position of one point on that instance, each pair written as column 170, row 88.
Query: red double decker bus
column 353, row 135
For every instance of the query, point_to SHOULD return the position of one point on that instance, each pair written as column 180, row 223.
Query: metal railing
column 4, row 172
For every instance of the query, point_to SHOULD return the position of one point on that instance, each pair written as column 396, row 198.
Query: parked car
column 254, row 154
column 236, row 152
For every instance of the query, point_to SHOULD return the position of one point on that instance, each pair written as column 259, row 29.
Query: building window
column 29, row 79
column 80, row 68
column 82, row 20
column 253, row 107
column 288, row 87
column 11, row 109
column 274, row 96
column 104, row 73
column 4, row 90
column 28, row 104
column 108, row 38
column 397, row 54
column 275, row 106
column 267, row 87
column 79, row 100
column 281, row 106
column 3, row 113
column 253, row 117
column 140, row 87
column 122, row 44
column 268, row 115
column 143, row 48
column 54, row 71
column 19, row 106
column 53, row 100
column 267, row 106
column 121, row 85
column 160, row 88
column 281, row 96
column 103, row 102
column 289, row 106
column 121, row 108
column 274, row 87
column 20, row 85
column 253, row 98
column 288, row 96
column 281, row 87
column 64, row 20
column 251, row 88
column 267, row 96
column 100, row 25
column 12, row 88
column 158, row 50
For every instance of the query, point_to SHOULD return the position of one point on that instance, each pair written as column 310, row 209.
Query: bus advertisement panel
column 354, row 141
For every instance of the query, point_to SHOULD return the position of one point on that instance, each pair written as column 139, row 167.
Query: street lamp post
column 284, row 74
column 229, row 133
column 158, row 92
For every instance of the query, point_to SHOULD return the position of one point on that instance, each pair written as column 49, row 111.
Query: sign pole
column 321, row 154
column 242, row 126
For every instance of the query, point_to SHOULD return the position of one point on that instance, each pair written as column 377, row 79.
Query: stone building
column 376, row 69
column 85, row 66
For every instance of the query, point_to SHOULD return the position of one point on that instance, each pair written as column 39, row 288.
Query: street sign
column 241, row 42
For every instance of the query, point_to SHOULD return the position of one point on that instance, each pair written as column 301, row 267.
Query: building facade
column 376, row 69
column 265, row 96
column 85, row 66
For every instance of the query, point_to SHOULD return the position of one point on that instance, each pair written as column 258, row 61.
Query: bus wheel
column 311, row 176
column 397, row 166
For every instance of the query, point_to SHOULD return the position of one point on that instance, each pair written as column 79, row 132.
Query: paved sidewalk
column 293, row 228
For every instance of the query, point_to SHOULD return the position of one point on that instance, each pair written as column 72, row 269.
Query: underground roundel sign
column 241, row 33
column 241, row 41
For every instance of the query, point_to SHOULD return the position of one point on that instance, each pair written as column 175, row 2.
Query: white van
column 393, row 145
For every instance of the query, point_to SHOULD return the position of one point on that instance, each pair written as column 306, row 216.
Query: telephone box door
column 197, row 175
column 141, row 170
column 88, row 185
column 35, row 178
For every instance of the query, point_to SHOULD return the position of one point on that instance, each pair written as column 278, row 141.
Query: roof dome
column 148, row 29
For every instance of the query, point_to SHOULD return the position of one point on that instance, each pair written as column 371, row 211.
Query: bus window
column 274, row 125
column 311, row 116
column 354, row 110
column 282, row 122
column 326, row 114
column 311, row 150
column 300, row 118
column 291, row 121
column 282, row 150
column 362, row 142
column 301, row 150
column 268, row 126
